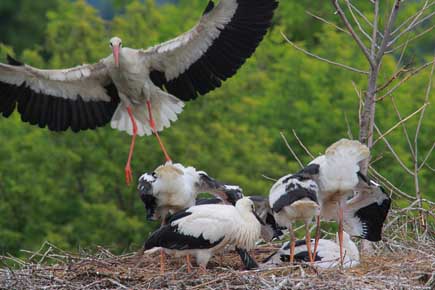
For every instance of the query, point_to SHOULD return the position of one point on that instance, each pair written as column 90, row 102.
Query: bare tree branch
column 365, row 18
column 401, row 122
column 425, row 6
column 411, row 27
column 327, row 22
column 402, row 81
column 411, row 39
column 353, row 33
column 291, row 149
column 302, row 144
column 375, row 29
column 429, row 154
column 409, row 171
column 387, row 31
column 405, row 130
column 358, row 24
column 321, row 58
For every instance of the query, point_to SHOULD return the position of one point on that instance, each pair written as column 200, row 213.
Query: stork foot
column 128, row 174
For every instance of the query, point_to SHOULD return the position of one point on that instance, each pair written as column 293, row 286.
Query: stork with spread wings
column 139, row 91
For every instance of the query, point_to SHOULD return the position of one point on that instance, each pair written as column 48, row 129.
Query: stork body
column 203, row 230
column 292, row 198
column 337, row 178
column 139, row 91
column 327, row 254
column 174, row 187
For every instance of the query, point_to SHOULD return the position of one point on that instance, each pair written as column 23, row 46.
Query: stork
column 270, row 230
column 173, row 187
column 139, row 91
column 327, row 255
column 203, row 230
column 294, row 197
column 338, row 176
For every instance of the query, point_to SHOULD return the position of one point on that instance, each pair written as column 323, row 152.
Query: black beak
column 258, row 218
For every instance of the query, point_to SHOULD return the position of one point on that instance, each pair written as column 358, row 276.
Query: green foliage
column 69, row 188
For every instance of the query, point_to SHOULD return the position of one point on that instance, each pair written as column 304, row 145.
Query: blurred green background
column 69, row 188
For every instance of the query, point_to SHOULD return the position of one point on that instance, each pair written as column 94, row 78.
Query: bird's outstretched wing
column 212, row 51
column 79, row 98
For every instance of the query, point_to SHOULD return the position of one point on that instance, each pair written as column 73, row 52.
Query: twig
column 402, row 81
column 400, row 122
column 291, row 150
column 409, row 171
column 323, row 59
column 327, row 22
column 269, row 178
column 429, row 154
column 302, row 144
column 353, row 33
column 358, row 24
column 405, row 131
column 411, row 39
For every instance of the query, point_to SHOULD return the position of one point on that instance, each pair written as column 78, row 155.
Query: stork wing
column 79, row 98
column 200, row 59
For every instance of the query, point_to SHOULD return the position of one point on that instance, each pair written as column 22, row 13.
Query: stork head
column 146, row 190
column 246, row 205
column 116, row 44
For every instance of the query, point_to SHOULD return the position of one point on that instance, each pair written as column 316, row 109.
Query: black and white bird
column 270, row 230
column 338, row 176
column 294, row 197
column 173, row 187
column 365, row 213
column 327, row 254
column 139, row 91
column 203, row 230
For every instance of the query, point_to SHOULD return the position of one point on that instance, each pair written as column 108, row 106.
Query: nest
column 394, row 265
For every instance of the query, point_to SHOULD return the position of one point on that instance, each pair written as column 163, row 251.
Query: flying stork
column 327, row 255
column 345, row 194
column 139, row 91
column 294, row 197
column 204, row 230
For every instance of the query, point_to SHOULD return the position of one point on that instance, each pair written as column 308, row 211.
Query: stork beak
column 115, row 50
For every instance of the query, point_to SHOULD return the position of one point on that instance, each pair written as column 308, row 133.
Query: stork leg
column 340, row 232
column 153, row 127
column 316, row 242
column 292, row 243
column 162, row 262
column 188, row 264
column 128, row 172
column 308, row 241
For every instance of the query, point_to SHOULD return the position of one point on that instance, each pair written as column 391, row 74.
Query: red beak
column 116, row 54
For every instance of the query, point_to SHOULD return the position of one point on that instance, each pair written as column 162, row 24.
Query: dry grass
column 395, row 265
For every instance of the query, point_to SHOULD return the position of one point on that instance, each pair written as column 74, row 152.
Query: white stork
column 270, row 230
column 294, row 197
column 174, row 187
column 338, row 177
column 139, row 91
column 327, row 255
column 203, row 230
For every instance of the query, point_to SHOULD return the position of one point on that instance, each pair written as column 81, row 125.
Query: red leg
column 189, row 265
column 162, row 262
column 153, row 127
column 128, row 172
column 340, row 232
column 308, row 241
column 316, row 243
column 292, row 244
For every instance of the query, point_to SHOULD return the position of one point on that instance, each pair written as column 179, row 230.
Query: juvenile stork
column 139, row 91
column 173, row 187
column 204, row 230
column 327, row 254
column 294, row 197
column 338, row 177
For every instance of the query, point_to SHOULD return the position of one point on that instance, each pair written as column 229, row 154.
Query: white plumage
column 294, row 197
column 174, row 187
column 139, row 91
column 327, row 255
column 203, row 230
